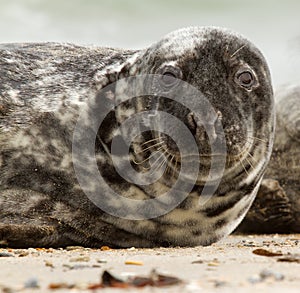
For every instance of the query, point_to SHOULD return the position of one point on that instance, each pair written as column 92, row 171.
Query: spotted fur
column 43, row 87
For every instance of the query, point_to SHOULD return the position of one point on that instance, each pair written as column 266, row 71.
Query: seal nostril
column 204, row 128
column 219, row 116
column 191, row 122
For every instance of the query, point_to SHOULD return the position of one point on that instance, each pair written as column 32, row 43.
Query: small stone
column 131, row 249
column 219, row 283
column 133, row 262
column 49, row 264
column 199, row 261
column 101, row 261
column 6, row 254
column 79, row 267
column 70, row 248
column 7, row 290
column 105, row 248
column 80, row 258
column 213, row 264
column 265, row 274
column 81, row 286
column 32, row 283
column 255, row 279
column 24, row 253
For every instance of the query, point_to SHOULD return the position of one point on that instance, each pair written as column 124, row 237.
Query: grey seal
column 43, row 88
column 277, row 206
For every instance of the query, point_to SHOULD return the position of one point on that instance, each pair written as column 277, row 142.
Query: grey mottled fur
column 44, row 86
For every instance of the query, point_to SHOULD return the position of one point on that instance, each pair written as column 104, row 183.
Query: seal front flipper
column 271, row 212
column 23, row 235
column 25, row 221
column 33, row 219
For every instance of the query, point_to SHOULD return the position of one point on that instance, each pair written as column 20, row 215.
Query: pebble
column 197, row 261
column 6, row 254
column 101, row 261
column 79, row 267
column 250, row 243
column 213, row 264
column 24, row 253
column 49, row 264
column 270, row 274
column 254, row 279
column 105, row 248
column 218, row 283
column 80, row 258
column 264, row 275
column 8, row 290
column 131, row 249
column 71, row 248
column 32, row 283
column 133, row 262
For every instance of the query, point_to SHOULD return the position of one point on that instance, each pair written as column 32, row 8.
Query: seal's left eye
column 168, row 78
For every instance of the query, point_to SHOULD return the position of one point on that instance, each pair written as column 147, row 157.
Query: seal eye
column 170, row 76
column 168, row 79
column 245, row 78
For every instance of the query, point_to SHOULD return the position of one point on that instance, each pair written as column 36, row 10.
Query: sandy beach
column 236, row 264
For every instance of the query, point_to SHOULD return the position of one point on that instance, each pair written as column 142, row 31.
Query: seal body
column 44, row 88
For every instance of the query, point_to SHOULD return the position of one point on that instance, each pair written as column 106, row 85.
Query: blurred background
column 274, row 26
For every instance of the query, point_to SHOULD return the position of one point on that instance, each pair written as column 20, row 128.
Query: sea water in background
column 274, row 26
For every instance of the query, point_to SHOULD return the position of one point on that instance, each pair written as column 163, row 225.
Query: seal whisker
column 249, row 162
column 175, row 167
column 252, row 157
column 168, row 163
column 238, row 50
column 256, row 138
column 148, row 158
column 148, row 148
column 159, row 164
column 171, row 163
column 150, row 140
column 241, row 161
column 156, row 160
column 167, row 160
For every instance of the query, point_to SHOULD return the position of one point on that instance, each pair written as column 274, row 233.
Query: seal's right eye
column 246, row 78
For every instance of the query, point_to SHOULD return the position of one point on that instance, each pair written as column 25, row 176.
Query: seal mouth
column 206, row 156
column 161, row 154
